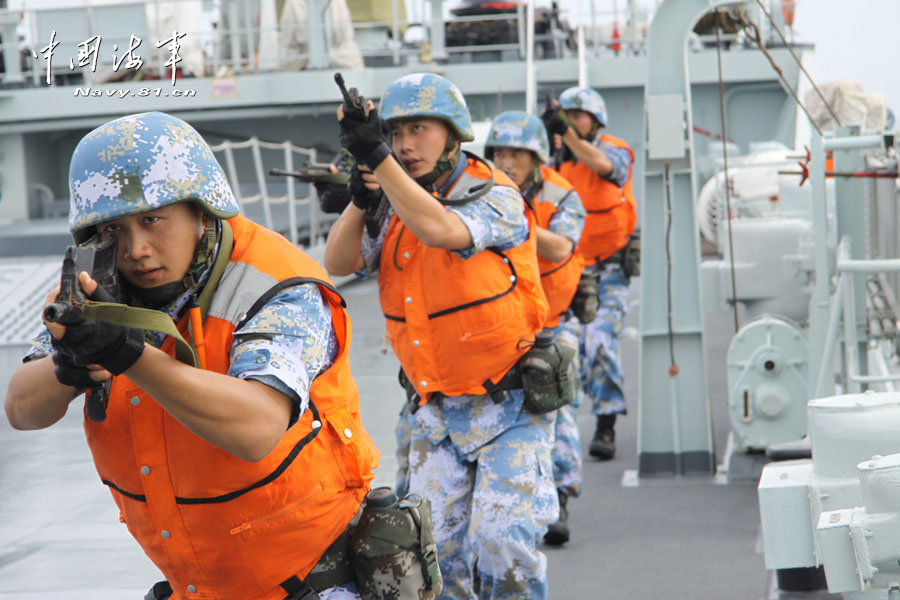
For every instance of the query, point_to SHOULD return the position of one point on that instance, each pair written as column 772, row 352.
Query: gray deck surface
column 668, row 537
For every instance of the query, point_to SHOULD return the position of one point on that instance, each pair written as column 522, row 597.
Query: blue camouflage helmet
column 428, row 95
column 142, row 162
column 517, row 129
column 586, row 99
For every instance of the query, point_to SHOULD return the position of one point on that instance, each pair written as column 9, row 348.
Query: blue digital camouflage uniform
column 568, row 221
column 601, row 365
column 485, row 466
column 567, row 441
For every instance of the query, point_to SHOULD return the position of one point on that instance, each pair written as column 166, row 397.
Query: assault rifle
column 356, row 107
column 97, row 257
column 314, row 173
column 556, row 153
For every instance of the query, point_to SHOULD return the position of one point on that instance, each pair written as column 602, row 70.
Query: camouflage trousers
column 601, row 365
column 490, row 506
column 403, row 436
column 567, row 441
column 346, row 591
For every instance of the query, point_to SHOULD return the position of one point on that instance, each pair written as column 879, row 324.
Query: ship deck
column 690, row 537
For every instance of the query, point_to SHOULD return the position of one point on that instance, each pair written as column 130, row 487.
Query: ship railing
column 843, row 314
column 261, row 198
column 245, row 36
column 233, row 37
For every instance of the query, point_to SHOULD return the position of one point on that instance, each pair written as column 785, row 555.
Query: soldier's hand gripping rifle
column 556, row 123
column 373, row 202
column 97, row 257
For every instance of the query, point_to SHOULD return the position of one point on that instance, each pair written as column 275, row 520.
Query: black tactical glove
column 333, row 197
column 361, row 196
column 113, row 347
column 364, row 138
column 67, row 372
column 554, row 122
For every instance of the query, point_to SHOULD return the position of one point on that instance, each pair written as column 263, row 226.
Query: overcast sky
column 852, row 38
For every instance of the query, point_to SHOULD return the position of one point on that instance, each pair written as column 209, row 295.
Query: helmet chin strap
column 445, row 164
column 532, row 185
column 159, row 296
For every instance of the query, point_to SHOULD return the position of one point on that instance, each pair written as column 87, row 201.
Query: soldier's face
column 582, row 120
column 515, row 162
column 157, row 247
column 419, row 143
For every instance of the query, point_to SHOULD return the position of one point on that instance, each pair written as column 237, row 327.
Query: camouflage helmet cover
column 517, row 129
column 586, row 99
column 142, row 162
column 428, row 95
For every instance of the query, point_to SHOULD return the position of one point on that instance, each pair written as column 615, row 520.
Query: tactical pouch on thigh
column 392, row 552
column 631, row 256
column 546, row 377
column 586, row 301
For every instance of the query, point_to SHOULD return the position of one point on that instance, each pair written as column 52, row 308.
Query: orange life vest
column 457, row 323
column 559, row 279
column 219, row 527
column 611, row 211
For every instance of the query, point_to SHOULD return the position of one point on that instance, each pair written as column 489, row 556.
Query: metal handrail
column 843, row 309
column 243, row 42
column 289, row 150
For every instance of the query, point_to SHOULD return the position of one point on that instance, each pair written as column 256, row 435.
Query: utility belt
column 332, row 569
column 543, row 374
column 512, row 380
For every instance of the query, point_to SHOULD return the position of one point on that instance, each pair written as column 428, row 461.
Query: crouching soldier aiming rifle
column 232, row 442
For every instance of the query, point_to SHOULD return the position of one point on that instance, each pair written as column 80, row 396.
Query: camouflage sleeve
column 497, row 220
column 40, row 347
column 621, row 160
column 371, row 248
column 287, row 344
column 569, row 217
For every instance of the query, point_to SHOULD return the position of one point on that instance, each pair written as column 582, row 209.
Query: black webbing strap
column 298, row 590
column 511, row 381
column 332, row 569
column 160, row 590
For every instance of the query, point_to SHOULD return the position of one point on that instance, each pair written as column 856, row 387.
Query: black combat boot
column 558, row 533
column 603, row 446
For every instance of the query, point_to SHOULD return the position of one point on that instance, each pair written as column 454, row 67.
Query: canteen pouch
column 547, row 375
column 586, row 301
column 392, row 552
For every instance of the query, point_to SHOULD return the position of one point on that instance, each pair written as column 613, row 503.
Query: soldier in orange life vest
column 461, row 294
column 599, row 166
column 239, row 477
column 517, row 143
